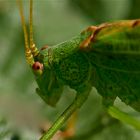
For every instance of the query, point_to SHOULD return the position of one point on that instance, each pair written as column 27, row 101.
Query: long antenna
column 28, row 53
column 33, row 48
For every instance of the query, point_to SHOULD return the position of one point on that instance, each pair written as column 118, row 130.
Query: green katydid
column 105, row 56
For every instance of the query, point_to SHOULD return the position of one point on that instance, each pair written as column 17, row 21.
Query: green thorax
column 69, row 63
column 64, row 64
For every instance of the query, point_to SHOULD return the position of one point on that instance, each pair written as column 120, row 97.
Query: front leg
column 82, row 95
column 70, row 126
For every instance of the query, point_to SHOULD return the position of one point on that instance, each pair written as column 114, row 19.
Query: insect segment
column 106, row 56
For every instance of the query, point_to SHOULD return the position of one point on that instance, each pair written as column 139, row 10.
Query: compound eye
column 37, row 66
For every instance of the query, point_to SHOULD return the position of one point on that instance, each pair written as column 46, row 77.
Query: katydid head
column 49, row 87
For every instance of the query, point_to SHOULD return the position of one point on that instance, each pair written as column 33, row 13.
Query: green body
column 111, row 63
column 105, row 56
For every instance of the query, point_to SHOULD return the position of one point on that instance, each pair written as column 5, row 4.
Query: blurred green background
column 22, row 112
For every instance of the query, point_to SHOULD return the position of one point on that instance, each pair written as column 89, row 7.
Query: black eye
column 37, row 66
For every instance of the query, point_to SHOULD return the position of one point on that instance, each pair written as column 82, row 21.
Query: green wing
column 115, row 58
